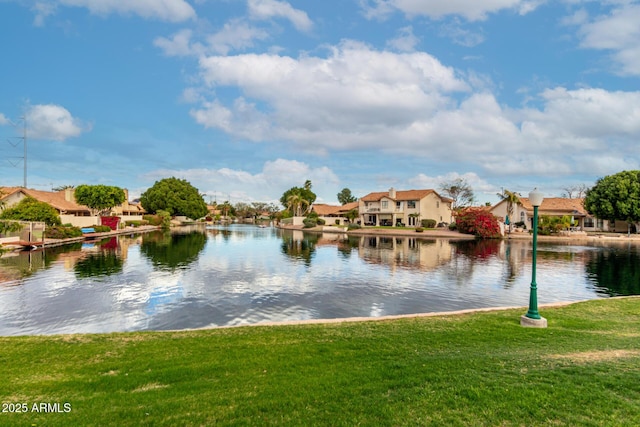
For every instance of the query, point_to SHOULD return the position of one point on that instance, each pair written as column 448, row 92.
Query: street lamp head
column 536, row 197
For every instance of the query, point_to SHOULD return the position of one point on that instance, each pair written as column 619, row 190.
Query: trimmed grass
column 480, row 369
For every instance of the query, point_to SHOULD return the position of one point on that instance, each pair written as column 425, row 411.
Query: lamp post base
column 528, row 322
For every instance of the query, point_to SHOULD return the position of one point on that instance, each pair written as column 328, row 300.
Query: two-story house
column 408, row 208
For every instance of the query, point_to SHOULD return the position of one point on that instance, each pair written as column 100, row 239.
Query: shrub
column 101, row 228
column 428, row 223
column 419, row 229
column 353, row 227
column 453, row 226
column 154, row 220
column 309, row 223
column 62, row 232
column 321, row 221
column 478, row 222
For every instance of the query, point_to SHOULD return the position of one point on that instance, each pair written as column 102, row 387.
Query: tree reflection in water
column 172, row 251
column 103, row 263
column 299, row 246
column 616, row 272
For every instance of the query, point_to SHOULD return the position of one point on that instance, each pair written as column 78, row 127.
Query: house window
column 522, row 216
column 385, row 204
column 438, row 204
column 398, row 205
column 588, row 222
column 411, row 204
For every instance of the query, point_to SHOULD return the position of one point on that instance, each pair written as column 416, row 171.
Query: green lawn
column 479, row 369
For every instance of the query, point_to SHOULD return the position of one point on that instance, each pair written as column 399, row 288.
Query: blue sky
column 247, row 98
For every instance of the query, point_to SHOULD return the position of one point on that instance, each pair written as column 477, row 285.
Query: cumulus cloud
column 471, row 10
column 354, row 91
column 163, row 10
column 267, row 9
column 3, row 120
column 357, row 98
column 406, row 40
column 266, row 185
column 617, row 32
column 235, row 35
column 53, row 122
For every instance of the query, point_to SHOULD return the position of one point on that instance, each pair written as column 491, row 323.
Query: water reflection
column 298, row 245
column 236, row 275
column 18, row 265
column 616, row 271
column 173, row 250
column 103, row 263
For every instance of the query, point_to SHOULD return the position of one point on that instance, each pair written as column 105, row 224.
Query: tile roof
column 324, row 210
column 55, row 199
column 558, row 205
column 400, row 195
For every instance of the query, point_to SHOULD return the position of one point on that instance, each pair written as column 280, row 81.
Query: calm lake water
column 240, row 275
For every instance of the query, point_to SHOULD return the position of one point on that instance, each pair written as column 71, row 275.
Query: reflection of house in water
column 405, row 251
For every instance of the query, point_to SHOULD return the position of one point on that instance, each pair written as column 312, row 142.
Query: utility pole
column 24, row 143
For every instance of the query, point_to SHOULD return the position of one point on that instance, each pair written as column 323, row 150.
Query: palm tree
column 295, row 202
column 512, row 198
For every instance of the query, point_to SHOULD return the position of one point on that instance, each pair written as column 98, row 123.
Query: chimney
column 392, row 193
column 126, row 194
column 69, row 195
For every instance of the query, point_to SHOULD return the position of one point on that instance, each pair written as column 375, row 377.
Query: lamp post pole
column 532, row 318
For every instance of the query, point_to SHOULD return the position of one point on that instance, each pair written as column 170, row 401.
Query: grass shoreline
column 477, row 368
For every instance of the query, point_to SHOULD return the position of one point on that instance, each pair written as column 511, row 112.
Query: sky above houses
column 247, row 98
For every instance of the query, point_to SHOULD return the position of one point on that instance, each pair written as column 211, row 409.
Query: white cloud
column 163, row 10
column 235, row 35
column 406, row 40
column 266, row 9
column 3, row 120
column 42, row 10
column 52, row 122
column 471, row 10
column 618, row 32
column 179, row 44
column 410, row 104
column 459, row 35
column 266, row 186
column 355, row 91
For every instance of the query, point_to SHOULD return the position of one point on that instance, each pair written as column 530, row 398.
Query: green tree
column 460, row 191
column 29, row 209
column 352, row 215
column 305, row 198
column 176, row 196
column 512, row 198
column 99, row 198
column 345, row 196
column 297, row 204
column 616, row 197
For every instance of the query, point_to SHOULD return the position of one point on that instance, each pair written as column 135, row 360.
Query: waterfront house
column 404, row 207
column 65, row 204
column 558, row 207
column 333, row 214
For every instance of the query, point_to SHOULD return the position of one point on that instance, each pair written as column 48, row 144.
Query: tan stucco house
column 333, row 214
column 557, row 206
column 406, row 207
column 64, row 202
